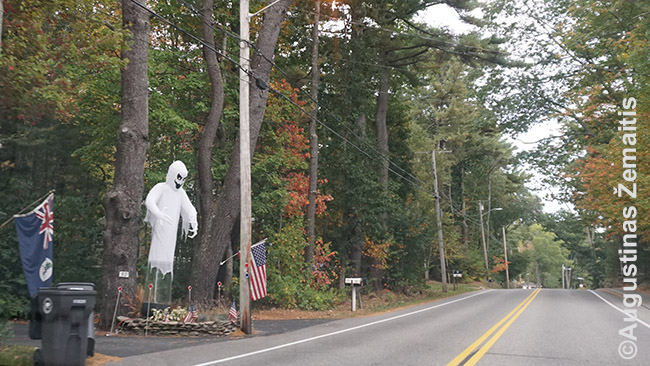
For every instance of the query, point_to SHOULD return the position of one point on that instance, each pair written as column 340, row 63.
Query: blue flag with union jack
column 35, row 233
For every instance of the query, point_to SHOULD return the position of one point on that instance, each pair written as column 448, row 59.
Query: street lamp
column 480, row 207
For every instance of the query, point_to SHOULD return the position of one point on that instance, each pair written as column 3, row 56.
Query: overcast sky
column 443, row 16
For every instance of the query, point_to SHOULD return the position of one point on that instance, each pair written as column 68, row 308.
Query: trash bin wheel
column 38, row 358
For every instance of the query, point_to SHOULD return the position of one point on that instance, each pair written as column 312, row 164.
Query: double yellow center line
column 462, row 358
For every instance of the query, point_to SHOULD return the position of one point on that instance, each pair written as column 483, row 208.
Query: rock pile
column 219, row 328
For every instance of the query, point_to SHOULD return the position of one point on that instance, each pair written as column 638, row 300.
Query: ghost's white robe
column 173, row 202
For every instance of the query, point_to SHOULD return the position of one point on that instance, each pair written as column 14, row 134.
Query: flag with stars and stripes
column 233, row 314
column 35, row 232
column 258, row 271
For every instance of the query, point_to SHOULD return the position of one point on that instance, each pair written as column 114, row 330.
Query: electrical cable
column 381, row 156
column 308, row 95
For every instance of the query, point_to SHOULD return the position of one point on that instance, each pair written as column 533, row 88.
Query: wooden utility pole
column 480, row 209
column 441, row 246
column 313, row 141
column 505, row 254
column 245, row 230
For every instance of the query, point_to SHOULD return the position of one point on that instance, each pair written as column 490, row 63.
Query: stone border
column 173, row 328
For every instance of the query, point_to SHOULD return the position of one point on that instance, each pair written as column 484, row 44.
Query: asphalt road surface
column 490, row 327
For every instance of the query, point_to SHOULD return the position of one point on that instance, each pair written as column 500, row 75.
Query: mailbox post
column 457, row 274
column 356, row 283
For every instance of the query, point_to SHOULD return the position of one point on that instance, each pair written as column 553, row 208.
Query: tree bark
column 2, row 12
column 207, row 255
column 381, row 132
column 381, row 129
column 209, row 133
column 313, row 141
column 123, row 203
column 357, row 230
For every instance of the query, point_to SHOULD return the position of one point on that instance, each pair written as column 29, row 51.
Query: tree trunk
column 381, row 131
column 123, row 203
column 207, row 255
column 313, row 141
column 2, row 12
column 209, row 132
column 357, row 230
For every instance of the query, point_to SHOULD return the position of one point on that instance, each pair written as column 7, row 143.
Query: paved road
column 491, row 327
column 130, row 345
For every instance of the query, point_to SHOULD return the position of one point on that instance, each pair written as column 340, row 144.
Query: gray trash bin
column 65, row 312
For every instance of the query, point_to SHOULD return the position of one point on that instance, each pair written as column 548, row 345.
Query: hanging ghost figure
column 166, row 203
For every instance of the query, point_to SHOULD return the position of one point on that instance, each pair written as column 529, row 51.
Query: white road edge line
column 617, row 308
column 337, row 332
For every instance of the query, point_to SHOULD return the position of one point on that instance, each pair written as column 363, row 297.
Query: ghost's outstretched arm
column 151, row 202
column 188, row 213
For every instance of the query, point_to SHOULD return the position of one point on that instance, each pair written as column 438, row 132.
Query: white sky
column 443, row 16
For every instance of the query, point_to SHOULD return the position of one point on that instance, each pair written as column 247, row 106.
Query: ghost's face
column 179, row 180
column 176, row 175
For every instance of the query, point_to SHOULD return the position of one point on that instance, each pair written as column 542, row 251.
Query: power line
column 308, row 95
column 213, row 25
column 344, row 139
column 258, row 81
column 395, row 32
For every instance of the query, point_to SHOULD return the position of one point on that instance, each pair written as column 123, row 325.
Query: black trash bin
column 84, row 286
column 65, row 312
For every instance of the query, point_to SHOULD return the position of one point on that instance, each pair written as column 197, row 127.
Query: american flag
column 233, row 314
column 258, row 271
column 190, row 316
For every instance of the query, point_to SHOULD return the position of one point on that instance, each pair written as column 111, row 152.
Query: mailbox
column 354, row 281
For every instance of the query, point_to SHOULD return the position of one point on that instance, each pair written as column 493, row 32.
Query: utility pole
column 480, row 208
column 563, row 277
column 443, row 269
column 245, row 228
column 505, row 254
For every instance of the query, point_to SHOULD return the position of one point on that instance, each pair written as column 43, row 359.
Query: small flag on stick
column 233, row 314
column 189, row 317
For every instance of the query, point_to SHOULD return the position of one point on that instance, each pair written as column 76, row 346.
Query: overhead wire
column 381, row 156
column 222, row 54
column 415, row 35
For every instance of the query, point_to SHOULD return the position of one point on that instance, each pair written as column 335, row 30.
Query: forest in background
column 378, row 96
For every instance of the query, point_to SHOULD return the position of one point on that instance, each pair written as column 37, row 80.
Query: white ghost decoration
column 166, row 203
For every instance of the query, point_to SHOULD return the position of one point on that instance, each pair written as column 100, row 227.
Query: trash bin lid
column 76, row 286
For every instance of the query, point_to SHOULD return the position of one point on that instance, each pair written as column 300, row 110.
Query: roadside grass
column 371, row 303
column 14, row 355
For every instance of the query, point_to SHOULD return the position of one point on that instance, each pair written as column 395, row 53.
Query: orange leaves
column 501, row 265
column 291, row 145
column 378, row 251
column 323, row 257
